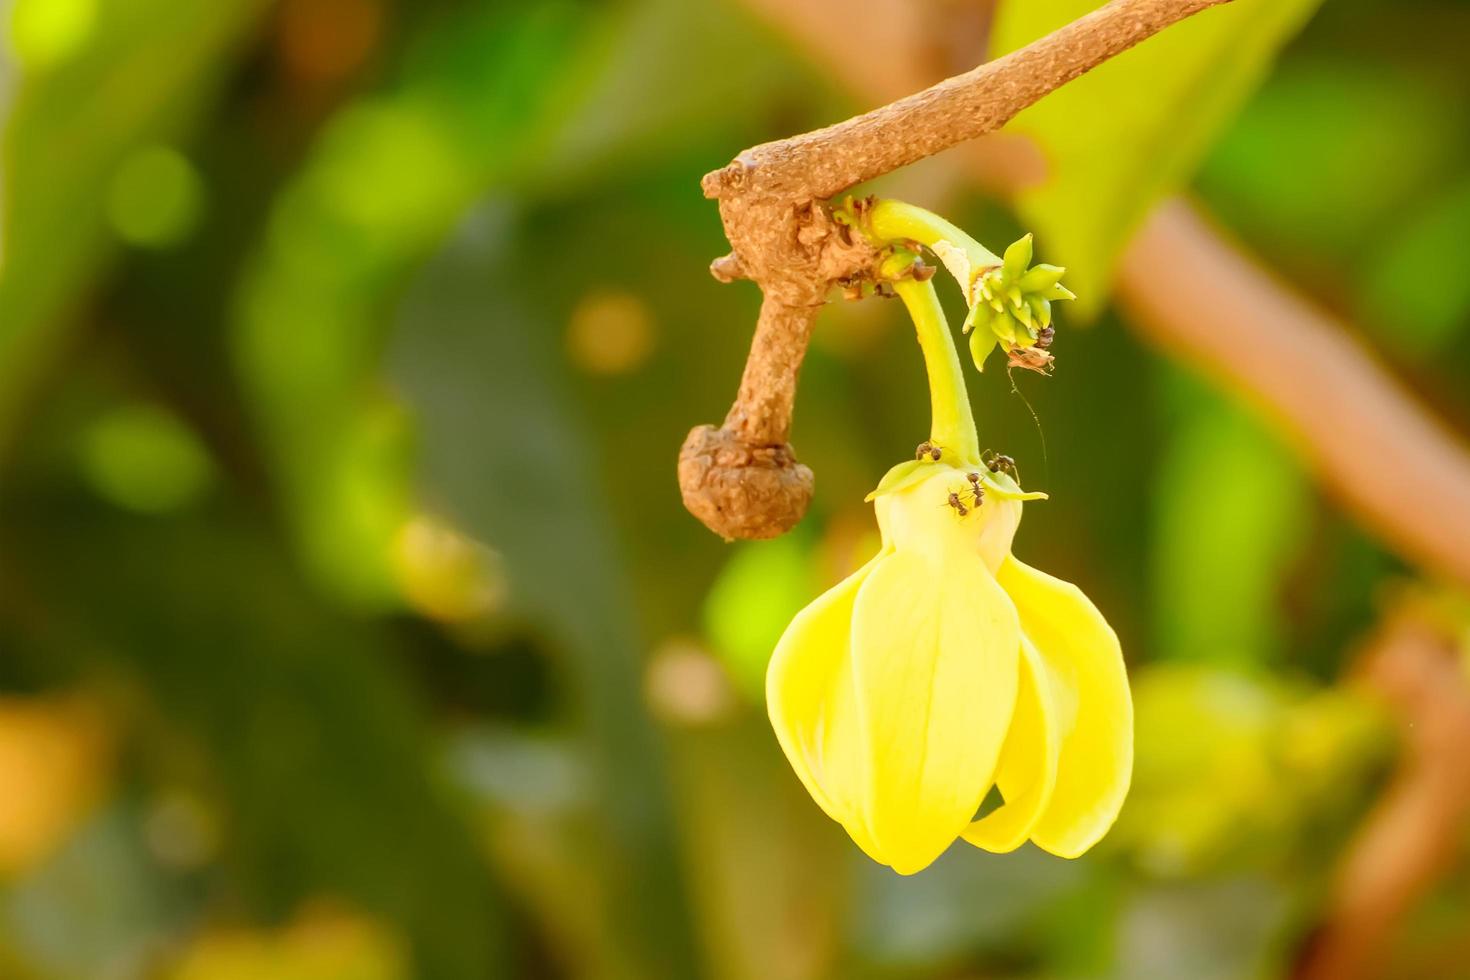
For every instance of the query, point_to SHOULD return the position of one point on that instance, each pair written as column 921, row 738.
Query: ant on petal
column 975, row 488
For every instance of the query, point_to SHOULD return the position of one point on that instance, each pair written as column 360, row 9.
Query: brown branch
column 1413, row 834
column 1388, row 461
column 742, row 480
column 828, row 161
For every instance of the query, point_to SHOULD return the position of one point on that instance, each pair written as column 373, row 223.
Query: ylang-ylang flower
column 946, row 667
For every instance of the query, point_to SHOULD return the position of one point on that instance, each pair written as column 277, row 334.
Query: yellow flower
column 946, row 666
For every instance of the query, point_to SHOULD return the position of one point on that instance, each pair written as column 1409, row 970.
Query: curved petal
column 1028, row 763
column 1092, row 707
column 935, row 651
column 811, row 702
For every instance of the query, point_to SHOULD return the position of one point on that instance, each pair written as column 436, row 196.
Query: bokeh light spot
column 325, row 939
column 142, row 459
column 610, row 332
column 156, row 198
column 53, row 764
column 685, row 685
column 445, row 575
column 44, row 33
column 326, row 40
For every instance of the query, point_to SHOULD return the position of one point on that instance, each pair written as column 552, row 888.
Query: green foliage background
column 351, row 626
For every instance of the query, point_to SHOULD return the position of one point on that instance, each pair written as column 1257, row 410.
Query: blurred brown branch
column 1413, row 834
column 1385, row 457
column 742, row 479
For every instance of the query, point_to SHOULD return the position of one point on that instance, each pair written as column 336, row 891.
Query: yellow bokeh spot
column 685, row 685
column 610, row 332
column 155, row 199
column 324, row 940
column 53, row 764
column 445, row 575
column 143, row 459
column 44, row 33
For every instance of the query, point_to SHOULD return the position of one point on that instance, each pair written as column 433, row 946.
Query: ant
column 958, row 504
column 927, row 448
column 1001, row 463
column 976, row 488
column 1045, row 337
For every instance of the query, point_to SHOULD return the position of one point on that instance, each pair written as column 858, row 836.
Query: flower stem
column 963, row 256
column 953, row 426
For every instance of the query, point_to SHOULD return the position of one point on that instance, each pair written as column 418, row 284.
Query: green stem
column 953, row 425
column 895, row 221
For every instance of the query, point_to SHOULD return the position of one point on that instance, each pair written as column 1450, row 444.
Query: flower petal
column 811, row 701
column 935, row 661
column 1028, row 763
column 1091, row 702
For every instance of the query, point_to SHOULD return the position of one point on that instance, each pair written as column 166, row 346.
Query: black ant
column 927, row 448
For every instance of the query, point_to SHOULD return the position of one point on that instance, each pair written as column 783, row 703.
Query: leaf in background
column 131, row 75
column 761, row 587
column 1136, row 127
column 1305, row 167
column 388, row 179
column 1231, row 515
column 1417, row 293
column 503, row 454
column 295, row 719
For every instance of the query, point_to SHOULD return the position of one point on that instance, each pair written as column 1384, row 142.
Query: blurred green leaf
column 1243, row 769
column 1328, row 152
column 762, row 586
column 1232, row 513
column 133, row 74
column 478, row 361
column 295, row 718
column 1417, row 293
column 479, row 92
column 1134, row 128
column 145, row 459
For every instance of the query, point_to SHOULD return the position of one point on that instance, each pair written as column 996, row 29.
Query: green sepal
column 1003, row 486
column 1017, row 257
column 977, row 318
column 1040, row 311
column 1057, row 291
column 982, row 342
column 1041, row 277
column 902, row 476
column 1003, row 326
column 1022, row 311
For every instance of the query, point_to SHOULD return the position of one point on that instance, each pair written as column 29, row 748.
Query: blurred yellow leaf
column 53, row 764
column 323, row 942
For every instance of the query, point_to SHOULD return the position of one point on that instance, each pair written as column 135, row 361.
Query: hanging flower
column 945, row 666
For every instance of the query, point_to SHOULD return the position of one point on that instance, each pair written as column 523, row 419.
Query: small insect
column 958, row 504
column 927, row 448
column 1045, row 337
column 1001, row 463
column 976, row 488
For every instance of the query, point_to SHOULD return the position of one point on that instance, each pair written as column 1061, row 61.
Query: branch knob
column 741, row 490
